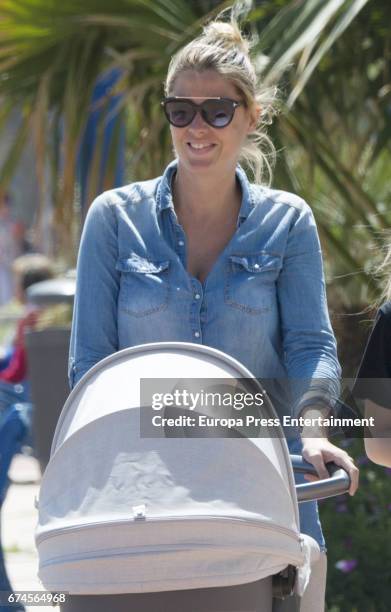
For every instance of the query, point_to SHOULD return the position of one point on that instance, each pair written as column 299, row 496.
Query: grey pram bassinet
column 120, row 513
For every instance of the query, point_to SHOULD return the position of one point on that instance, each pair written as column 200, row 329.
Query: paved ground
column 19, row 518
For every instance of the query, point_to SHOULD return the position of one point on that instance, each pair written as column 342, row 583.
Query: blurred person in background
column 28, row 270
column 373, row 383
column 14, row 390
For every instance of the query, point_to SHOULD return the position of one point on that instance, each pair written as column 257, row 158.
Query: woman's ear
column 254, row 118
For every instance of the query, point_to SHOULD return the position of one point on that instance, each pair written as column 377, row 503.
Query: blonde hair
column 221, row 47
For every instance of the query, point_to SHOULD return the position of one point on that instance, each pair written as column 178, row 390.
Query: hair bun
column 226, row 35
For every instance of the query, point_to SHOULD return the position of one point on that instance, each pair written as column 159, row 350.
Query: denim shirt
column 263, row 302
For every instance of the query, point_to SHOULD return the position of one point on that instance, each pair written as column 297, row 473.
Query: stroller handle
column 338, row 483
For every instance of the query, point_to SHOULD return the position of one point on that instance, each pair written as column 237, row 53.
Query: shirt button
column 180, row 242
column 197, row 334
column 197, row 296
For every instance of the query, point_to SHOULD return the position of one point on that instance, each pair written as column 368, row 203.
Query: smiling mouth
column 200, row 146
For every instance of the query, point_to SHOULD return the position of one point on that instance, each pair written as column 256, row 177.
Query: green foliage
column 358, row 532
column 50, row 58
column 334, row 137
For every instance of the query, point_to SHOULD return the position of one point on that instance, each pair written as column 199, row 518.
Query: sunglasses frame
column 198, row 108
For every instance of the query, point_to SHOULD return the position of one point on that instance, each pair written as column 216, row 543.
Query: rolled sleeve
column 309, row 345
column 94, row 326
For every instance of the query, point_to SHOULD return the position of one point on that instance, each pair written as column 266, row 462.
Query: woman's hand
column 320, row 451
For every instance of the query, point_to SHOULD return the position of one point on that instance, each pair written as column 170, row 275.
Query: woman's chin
column 200, row 162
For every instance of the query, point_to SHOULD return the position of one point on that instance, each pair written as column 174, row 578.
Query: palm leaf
column 305, row 73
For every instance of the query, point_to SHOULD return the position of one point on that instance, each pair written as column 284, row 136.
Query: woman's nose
column 198, row 122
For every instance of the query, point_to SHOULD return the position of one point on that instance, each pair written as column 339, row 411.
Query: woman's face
column 199, row 146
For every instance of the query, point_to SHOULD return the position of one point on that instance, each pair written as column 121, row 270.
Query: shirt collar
column 164, row 194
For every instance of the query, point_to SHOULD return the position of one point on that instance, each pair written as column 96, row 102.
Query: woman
column 373, row 382
column 201, row 255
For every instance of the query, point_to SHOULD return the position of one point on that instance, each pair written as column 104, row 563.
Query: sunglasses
column 216, row 112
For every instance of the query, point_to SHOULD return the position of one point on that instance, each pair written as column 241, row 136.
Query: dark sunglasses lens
column 218, row 113
column 179, row 113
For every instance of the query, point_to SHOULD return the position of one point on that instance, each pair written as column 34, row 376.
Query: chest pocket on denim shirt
column 250, row 281
column 144, row 285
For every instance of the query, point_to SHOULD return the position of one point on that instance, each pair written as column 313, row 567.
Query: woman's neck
column 205, row 197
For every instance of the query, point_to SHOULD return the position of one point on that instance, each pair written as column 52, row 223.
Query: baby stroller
column 124, row 513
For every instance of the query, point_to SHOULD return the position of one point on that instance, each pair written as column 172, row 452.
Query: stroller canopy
column 121, row 513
